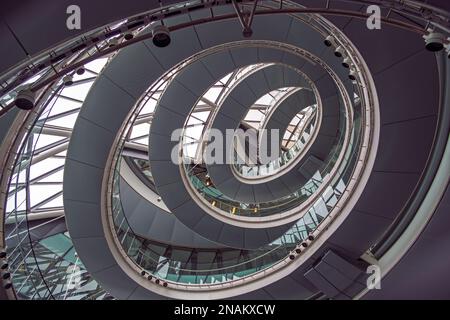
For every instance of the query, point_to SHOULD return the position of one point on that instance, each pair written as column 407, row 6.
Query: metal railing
column 286, row 157
column 159, row 259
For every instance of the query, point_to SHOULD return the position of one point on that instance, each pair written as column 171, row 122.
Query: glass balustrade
column 218, row 200
column 39, row 271
column 285, row 158
column 197, row 265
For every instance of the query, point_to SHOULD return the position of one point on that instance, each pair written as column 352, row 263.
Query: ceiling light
column 25, row 99
column 329, row 41
column 68, row 80
column 4, row 265
column 347, row 63
column 80, row 71
column 434, row 41
column 353, row 75
column 128, row 36
column 7, row 284
column 339, row 52
column 161, row 35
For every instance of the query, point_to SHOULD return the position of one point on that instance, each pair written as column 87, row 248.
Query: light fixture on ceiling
column 7, row 284
column 434, row 41
column 160, row 35
column 25, row 99
column 5, row 275
column 352, row 75
column 68, row 80
column 339, row 52
column 347, row 62
column 4, row 264
column 113, row 42
column 329, row 41
column 80, row 71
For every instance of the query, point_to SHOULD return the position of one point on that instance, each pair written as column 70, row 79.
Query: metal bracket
column 245, row 18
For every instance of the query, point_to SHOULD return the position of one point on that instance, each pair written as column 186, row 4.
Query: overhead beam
column 35, row 216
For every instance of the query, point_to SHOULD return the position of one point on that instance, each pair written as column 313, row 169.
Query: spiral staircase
column 97, row 188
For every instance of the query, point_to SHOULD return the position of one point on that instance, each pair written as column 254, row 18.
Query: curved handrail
column 131, row 243
column 276, row 165
column 286, row 203
column 293, row 200
column 152, row 261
